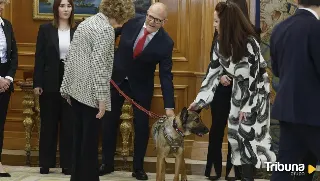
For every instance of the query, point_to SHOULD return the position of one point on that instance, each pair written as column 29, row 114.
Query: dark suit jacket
column 295, row 59
column 9, row 69
column 140, row 71
column 47, row 59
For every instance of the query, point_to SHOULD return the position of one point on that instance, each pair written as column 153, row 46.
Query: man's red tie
column 139, row 46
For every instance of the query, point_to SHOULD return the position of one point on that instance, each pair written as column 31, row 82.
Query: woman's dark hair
column 243, row 6
column 234, row 31
column 55, row 9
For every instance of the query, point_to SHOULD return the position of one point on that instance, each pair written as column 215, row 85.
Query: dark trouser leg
column 141, row 127
column 4, row 102
column 308, row 159
column 292, row 148
column 66, row 134
column 110, row 125
column 86, row 138
column 220, row 108
column 50, row 115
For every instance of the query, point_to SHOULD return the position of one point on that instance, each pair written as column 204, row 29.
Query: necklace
column 64, row 29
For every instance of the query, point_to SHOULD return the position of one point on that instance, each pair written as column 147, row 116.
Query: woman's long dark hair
column 235, row 28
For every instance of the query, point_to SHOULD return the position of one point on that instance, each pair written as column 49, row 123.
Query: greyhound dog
column 168, row 134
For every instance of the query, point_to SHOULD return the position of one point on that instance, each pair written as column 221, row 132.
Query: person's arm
column 102, row 62
column 14, row 56
column 273, row 56
column 166, row 79
column 249, row 72
column 314, row 46
column 209, row 84
column 39, row 59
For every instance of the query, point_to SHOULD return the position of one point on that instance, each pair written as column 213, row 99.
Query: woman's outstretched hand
column 193, row 107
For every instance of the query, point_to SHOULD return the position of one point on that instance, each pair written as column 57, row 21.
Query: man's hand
column 102, row 109
column 4, row 84
column 170, row 113
column 38, row 91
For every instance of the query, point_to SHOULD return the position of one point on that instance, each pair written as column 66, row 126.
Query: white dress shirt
column 64, row 43
column 148, row 39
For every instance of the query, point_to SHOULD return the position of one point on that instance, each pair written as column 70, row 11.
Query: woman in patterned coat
column 86, row 82
column 237, row 53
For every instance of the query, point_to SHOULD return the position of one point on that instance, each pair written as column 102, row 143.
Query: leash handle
column 151, row 114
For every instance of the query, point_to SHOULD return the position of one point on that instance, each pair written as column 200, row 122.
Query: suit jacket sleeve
column 14, row 55
column 166, row 79
column 273, row 55
column 314, row 46
column 39, row 59
column 102, row 62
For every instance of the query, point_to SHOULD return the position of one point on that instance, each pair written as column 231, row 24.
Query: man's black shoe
column 104, row 170
column 140, row 175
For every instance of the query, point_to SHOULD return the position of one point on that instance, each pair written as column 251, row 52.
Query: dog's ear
column 184, row 114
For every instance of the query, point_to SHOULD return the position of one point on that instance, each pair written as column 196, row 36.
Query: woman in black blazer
column 52, row 45
column 220, row 108
column 8, row 67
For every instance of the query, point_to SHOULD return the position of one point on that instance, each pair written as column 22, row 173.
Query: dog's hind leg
column 183, row 170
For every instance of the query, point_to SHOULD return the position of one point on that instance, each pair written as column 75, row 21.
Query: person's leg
column 220, row 108
column 88, row 164
column 68, row 118
column 292, row 148
column 141, row 128
column 110, row 126
column 4, row 102
column 77, row 141
column 49, row 114
column 308, row 159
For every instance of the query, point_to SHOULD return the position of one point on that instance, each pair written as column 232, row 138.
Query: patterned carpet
column 32, row 174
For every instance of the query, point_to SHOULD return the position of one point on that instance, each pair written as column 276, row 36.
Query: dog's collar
column 175, row 126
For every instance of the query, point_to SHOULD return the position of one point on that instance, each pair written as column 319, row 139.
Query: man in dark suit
column 143, row 44
column 8, row 67
column 296, row 61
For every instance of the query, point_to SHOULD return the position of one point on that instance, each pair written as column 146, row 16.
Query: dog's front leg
column 160, row 163
column 177, row 167
column 183, row 169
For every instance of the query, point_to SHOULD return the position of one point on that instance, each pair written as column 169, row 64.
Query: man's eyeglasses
column 156, row 20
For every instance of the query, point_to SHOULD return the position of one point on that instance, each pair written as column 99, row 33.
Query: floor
column 21, row 173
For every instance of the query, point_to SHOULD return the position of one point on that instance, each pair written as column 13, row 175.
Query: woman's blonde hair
column 5, row 1
column 120, row 10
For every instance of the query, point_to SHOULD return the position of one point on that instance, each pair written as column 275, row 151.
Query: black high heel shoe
column 217, row 177
column 44, row 170
column 232, row 178
column 5, row 175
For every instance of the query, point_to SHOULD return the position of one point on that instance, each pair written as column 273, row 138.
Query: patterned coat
column 250, row 139
column 89, row 62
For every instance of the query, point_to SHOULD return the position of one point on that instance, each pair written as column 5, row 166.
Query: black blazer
column 295, row 59
column 9, row 68
column 47, row 59
column 140, row 71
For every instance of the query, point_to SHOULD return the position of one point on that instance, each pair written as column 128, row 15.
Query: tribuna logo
column 295, row 169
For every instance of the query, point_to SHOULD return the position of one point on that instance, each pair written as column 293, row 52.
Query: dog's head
column 192, row 123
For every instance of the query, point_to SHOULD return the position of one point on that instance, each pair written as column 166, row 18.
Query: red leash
column 151, row 114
